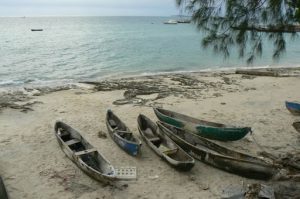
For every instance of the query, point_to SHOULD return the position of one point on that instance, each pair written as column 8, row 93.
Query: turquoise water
column 91, row 48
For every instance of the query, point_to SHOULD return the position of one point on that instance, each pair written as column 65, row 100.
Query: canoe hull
column 293, row 107
column 246, row 167
column 186, row 165
column 202, row 128
column 130, row 147
column 78, row 159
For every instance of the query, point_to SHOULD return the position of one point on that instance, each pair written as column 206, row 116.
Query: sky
column 88, row 8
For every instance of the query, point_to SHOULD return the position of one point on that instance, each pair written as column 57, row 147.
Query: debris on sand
column 180, row 85
column 102, row 134
column 272, row 72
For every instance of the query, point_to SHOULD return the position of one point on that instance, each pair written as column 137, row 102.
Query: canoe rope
column 259, row 146
column 263, row 152
column 275, row 159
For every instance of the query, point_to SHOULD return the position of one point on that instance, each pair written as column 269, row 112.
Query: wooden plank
column 71, row 142
column 79, row 153
column 154, row 139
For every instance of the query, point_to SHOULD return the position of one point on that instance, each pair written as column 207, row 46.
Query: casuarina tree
column 244, row 24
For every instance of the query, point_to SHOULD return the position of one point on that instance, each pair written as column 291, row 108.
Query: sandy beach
column 33, row 165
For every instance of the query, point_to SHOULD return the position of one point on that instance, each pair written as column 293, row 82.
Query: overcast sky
column 88, row 7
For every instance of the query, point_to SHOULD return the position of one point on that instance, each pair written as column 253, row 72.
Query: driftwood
column 287, row 190
column 287, row 160
column 257, row 73
column 271, row 72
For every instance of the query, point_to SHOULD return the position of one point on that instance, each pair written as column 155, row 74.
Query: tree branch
column 271, row 29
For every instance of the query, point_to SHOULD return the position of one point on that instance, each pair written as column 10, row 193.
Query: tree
column 244, row 24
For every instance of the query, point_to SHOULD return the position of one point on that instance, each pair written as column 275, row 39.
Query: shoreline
column 55, row 83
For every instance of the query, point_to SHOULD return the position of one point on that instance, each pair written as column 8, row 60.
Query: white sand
column 33, row 165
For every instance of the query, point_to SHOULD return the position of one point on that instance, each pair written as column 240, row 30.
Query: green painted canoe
column 210, row 130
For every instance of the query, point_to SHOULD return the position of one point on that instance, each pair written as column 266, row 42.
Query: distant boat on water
column 171, row 22
column 184, row 21
column 33, row 30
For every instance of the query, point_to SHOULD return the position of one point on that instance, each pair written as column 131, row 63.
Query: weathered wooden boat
column 3, row 192
column 219, row 156
column 163, row 146
column 293, row 107
column 296, row 125
column 203, row 128
column 121, row 134
column 83, row 154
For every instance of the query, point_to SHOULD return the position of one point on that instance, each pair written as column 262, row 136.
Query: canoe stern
column 293, row 107
column 222, row 134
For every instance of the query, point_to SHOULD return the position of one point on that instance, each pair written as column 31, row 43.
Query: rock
column 102, row 135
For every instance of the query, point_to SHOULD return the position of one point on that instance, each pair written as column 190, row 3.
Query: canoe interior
column 186, row 118
column 296, row 125
column 161, row 142
column 76, row 143
column 208, row 146
column 119, row 127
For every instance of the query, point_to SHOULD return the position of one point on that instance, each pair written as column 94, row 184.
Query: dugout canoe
column 121, row 134
column 163, row 146
column 218, row 156
column 83, row 154
column 210, row 130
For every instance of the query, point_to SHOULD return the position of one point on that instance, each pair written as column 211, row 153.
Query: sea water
column 92, row 48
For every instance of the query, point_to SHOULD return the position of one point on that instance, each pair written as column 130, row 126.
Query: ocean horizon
column 81, row 48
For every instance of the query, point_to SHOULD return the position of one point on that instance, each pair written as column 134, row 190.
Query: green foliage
column 244, row 24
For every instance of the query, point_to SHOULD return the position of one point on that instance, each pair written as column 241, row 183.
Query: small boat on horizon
column 171, row 22
column 121, row 134
column 184, row 21
column 36, row 30
column 164, row 146
column 210, row 130
column 293, row 107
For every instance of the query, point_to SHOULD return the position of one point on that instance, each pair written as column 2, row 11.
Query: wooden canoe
column 121, row 134
column 163, row 146
column 293, row 107
column 219, row 156
column 83, row 154
column 296, row 125
column 3, row 192
column 210, row 130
